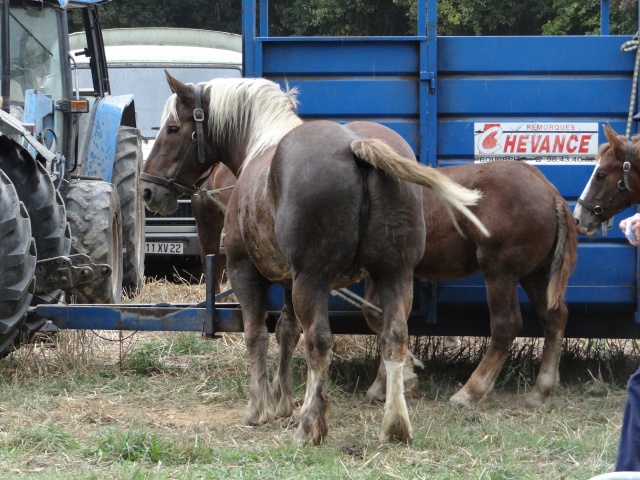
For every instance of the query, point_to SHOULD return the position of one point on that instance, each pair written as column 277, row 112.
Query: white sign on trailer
column 536, row 142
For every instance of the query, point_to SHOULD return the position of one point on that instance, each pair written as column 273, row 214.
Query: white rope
column 354, row 299
column 344, row 293
column 628, row 47
column 213, row 196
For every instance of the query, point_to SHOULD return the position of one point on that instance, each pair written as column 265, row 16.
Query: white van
column 137, row 58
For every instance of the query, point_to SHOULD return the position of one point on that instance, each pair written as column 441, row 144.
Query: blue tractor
column 71, row 217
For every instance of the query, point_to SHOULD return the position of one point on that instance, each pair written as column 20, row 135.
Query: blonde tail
column 380, row 155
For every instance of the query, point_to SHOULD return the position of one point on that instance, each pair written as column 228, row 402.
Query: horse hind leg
column 506, row 321
column 377, row 392
column 311, row 308
column 288, row 332
column 553, row 321
column 395, row 296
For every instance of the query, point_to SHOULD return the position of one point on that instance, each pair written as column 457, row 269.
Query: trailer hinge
column 68, row 272
column 429, row 77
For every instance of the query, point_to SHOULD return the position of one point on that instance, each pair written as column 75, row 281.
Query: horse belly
column 447, row 255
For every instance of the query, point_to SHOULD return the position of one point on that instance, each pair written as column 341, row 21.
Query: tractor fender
column 101, row 135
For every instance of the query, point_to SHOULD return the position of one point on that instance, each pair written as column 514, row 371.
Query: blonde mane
column 255, row 110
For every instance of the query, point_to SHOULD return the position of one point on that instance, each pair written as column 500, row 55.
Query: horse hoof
column 398, row 429
column 254, row 418
column 410, row 385
column 461, row 399
column 376, row 394
column 535, row 399
column 285, row 411
column 311, row 432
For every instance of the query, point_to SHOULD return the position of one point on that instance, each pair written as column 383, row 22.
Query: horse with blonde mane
column 317, row 206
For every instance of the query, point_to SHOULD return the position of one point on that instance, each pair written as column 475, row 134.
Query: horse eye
column 601, row 175
column 173, row 129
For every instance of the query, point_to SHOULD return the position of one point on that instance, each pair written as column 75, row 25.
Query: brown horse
column 528, row 202
column 209, row 216
column 614, row 184
column 317, row 205
column 533, row 242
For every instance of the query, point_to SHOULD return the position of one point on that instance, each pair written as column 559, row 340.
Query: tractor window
column 34, row 52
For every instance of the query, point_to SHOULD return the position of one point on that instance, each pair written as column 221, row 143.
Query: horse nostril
column 146, row 194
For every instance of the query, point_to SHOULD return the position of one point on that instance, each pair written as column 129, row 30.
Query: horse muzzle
column 158, row 199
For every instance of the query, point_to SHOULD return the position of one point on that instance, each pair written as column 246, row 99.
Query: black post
column 6, row 53
column 210, row 312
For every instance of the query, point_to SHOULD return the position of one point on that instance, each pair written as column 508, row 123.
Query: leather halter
column 623, row 186
column 197, row 144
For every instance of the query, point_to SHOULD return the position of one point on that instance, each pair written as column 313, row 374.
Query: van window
column 150, row 90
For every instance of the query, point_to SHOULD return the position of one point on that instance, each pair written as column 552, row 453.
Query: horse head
column 614, row 184
column 182, row 155
column 231, row 120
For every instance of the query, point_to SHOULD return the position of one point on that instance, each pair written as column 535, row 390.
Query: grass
column 169, row 406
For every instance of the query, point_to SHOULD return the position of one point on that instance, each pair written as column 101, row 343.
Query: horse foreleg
column 288, row 331
column 396, row 299
column 377, row 392
column 506, row 322
column 553, row 323
column 250, row 288
column 311, row 308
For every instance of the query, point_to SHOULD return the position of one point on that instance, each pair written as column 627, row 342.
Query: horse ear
column 614, row 139
column 183, row 91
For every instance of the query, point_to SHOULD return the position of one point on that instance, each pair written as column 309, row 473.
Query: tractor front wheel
column 127, row 165
column 93, row 212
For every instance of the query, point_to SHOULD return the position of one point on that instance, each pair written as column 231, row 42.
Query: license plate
column 164, row 248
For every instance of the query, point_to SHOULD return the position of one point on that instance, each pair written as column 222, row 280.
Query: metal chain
column 121, row 339
column 628, row 47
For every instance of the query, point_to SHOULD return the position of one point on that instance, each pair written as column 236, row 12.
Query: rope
column 354, row 299
column 213, row 196
column 344, row 293
column 628, row 47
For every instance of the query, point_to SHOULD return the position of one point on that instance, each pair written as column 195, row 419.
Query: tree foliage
column 378, row 17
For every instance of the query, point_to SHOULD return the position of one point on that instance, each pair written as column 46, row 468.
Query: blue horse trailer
column 450, row 98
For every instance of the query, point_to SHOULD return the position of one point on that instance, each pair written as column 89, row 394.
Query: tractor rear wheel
column 17, row 268
column 126, row 177
column 46, row 209
column 93, row 211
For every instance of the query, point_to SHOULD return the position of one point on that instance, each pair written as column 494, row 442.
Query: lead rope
column 628, row 46
column 354, row 299
column 344, row 293
column 213, row 196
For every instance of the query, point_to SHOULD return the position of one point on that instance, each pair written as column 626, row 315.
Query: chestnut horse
column 541, row 263
column 209, row 216
column 614, row 184
column 533, row 242
column 318, row 205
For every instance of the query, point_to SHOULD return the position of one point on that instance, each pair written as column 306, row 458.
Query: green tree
column 377, row 17
column 223, row 15
column 575, row 17
column 339, row 17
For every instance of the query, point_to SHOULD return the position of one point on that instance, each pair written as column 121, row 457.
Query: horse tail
column 564, row 256
column 380, row 155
